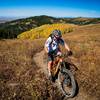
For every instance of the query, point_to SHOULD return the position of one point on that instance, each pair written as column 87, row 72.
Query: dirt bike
column 65, row 76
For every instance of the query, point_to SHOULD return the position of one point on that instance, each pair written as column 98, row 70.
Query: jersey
column 53, row 44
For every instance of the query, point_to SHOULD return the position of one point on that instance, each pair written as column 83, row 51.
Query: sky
column 55, row 8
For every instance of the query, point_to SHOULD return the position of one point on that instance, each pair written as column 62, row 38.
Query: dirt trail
column 39, row 60
column 42, row 64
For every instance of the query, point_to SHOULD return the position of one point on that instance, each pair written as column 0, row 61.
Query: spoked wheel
column 67, row 83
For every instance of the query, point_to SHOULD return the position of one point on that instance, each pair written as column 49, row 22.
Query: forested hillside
column 14, row 28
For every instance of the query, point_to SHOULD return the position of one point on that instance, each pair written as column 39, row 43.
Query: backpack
column 51, row 38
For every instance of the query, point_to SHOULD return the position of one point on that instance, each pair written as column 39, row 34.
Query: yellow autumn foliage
column 45, row 30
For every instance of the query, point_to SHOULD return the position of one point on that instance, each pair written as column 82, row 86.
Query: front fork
column 59, row 66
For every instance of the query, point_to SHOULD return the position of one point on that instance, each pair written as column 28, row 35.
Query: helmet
column 57, row 33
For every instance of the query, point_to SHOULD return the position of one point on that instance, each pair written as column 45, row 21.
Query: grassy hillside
column 20, row 76
column 17, row 69
column 14, row 28
column 45, row 30
column 85, row 44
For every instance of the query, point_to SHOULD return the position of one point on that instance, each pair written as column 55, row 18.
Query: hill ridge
column 14, row 28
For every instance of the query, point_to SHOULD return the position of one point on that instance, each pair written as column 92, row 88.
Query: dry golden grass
column 85, row 44
column 17, row 68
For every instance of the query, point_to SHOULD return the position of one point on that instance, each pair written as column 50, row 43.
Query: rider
column 52, row 48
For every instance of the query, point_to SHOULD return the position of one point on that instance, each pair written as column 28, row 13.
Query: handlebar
column 69, row 53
